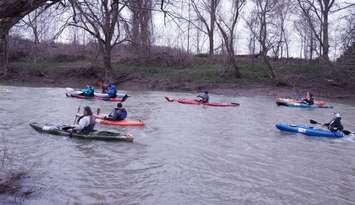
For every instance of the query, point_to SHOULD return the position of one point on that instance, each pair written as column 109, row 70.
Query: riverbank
column 294, row 79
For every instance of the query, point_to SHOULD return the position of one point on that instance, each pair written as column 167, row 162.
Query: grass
column 47, row 66
column 199, row 74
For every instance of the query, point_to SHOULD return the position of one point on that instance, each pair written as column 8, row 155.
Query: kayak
column 96, row 135
column 100, row 119
column 195, row 102
column 299, row 103
column 309, row 131
column 70, row 92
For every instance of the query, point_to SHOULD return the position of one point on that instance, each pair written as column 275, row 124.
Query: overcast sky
column 167, row 33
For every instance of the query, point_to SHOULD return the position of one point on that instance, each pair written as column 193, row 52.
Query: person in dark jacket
column 309, row 99
column 204, row 97
column 335, row 123
column 118, row 113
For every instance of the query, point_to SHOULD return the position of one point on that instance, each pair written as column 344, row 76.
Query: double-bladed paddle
column 76, row 115
column 346, row 132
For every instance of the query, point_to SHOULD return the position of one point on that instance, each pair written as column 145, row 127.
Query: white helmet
column 337, row 115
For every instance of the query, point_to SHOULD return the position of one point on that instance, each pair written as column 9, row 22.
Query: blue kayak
column 310, row 131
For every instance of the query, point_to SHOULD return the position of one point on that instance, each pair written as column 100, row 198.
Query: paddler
column 119, row 113
column 103, row 85
column 86, row 122
column 309, row 99
column 335, row 124
column 111, row 90
column 203, row 97
column 88, row 91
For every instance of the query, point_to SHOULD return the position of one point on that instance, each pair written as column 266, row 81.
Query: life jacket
column 309, row 101
column 112, row 91
column 89, row 91
column 119, row 114
column 204, row 98
column 335, row 125
column 90, row 128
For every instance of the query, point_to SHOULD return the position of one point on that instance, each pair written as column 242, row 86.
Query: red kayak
column 100, row 119
column 195, row 102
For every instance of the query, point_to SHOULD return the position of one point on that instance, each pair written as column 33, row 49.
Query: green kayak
column 96, row 135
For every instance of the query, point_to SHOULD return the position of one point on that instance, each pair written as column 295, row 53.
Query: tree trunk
column 212, row 25
column 210, row 38
column 233, row 63
column 107, row 63
column 268, row 64
column 311, row 48
column 287, row 48
column 4, row 51
column 325, row 37
column 231, row 56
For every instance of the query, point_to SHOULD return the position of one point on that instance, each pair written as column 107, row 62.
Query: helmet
column 337, row 115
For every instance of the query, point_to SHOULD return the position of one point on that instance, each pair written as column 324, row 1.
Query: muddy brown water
column 184, row 155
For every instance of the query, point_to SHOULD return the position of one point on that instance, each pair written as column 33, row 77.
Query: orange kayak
column 101, row 120
column 194, row 102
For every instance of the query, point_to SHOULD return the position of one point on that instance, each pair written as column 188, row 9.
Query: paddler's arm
column 85, row 121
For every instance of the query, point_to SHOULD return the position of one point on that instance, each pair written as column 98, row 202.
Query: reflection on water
column 185, row 154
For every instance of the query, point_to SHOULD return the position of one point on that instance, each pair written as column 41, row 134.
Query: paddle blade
column 125, row 98
column 313, row 122
column 169, row 99
column 346, row 132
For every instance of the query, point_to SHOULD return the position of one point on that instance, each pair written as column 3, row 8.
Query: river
column 184, row 155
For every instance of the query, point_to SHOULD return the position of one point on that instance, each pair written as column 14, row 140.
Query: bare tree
column 11, row 11
column 261, row 25
column 320, row 9
column 308, row 42
column 101, row 19
column 209, row 7
column 227, row 29
column 141, row 20
column 282, row 12
column 347, row 37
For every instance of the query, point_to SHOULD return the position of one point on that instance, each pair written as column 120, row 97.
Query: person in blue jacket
column 88, row 91
column 118, row 113
column 112, row 90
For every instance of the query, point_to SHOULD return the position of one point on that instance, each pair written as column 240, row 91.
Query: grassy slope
column 199, row 75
